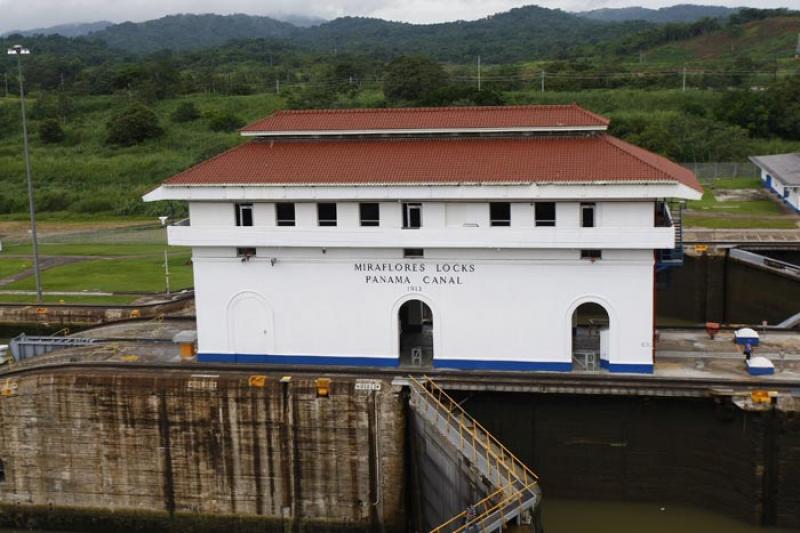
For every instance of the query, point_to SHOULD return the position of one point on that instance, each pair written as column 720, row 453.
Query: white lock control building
column 505, row 238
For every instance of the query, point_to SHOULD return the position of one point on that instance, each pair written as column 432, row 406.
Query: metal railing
column 671, row 214
column 517, row 485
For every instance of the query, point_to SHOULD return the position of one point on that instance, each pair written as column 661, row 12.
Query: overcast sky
column 26, row 14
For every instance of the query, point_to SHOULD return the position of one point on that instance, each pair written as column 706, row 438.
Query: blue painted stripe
column 391, row 362
column 630, row 368
column 760, row 371
column 461, row 364
column 297, row 359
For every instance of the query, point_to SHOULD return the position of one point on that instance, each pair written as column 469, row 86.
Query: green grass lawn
column 140, row 274
column 750, row 207
column 13, row 265
column 95, row 249
column 733, row 183
column 76, row 300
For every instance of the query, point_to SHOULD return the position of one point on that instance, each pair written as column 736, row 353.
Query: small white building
column 510, row 238
column 780, row 174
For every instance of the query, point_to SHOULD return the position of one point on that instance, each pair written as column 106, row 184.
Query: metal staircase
column 671, row 214
column 517, row 492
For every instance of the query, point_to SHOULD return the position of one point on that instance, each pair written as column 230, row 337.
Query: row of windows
column 370, row 214
column 416, row 253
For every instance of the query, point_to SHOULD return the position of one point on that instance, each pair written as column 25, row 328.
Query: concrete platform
column 688, row 363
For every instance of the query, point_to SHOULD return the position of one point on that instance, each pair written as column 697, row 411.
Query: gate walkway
column 517, row 492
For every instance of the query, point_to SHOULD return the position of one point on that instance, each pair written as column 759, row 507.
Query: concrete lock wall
column 201, row 446
column 700, row 452
column 491, row 309
column 441, row 483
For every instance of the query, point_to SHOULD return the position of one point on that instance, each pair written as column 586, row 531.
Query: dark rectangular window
column 284, row 214
column 413, row 253
column 370, row 214
column 587, row 215
column 326, row 214
column 412, row 216
column 244, row 214
column 545, row 213
column 500, row 214
column 246, row 252
column 591, row 254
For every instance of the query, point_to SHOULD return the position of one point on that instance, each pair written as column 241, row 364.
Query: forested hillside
column 106, row 124
column 677, row 13
column 183, row 32
column 511, row 36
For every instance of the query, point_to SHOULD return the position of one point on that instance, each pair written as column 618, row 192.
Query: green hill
column 183, row 32
column 514, row 35
column 761, row 41
column 677, row 13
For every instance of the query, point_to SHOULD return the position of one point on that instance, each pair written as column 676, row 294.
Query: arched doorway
column 415, row 325
column 250, row 325
column 591, row 329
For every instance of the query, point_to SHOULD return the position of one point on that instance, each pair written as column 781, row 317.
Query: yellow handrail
column 463, row 514
column 490, row 439
column 499, row 506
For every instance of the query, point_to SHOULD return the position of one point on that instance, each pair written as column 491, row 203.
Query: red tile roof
column 437, row 118
column 596, row 158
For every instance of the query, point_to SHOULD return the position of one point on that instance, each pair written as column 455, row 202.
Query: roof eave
column 418, row 131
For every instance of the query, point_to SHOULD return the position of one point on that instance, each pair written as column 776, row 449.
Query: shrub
column 185, row 112
column 93, row 205
column 412, row 79
column 134, row 125
column 50, row 131
column 224, row 122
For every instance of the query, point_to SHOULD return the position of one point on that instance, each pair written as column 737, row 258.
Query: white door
column 250, row 325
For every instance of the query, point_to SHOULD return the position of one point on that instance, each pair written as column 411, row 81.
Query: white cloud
column 40, row 13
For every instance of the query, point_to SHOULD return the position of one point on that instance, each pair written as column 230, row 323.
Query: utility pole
column 479, row 73
column 277, row 86
column 684, row 78
column 542, row 75
column 166, row 270
column 19, row 51
column 5, row 75
column 797, row 50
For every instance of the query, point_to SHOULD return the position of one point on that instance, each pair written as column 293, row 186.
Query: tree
column 462, row 95
column 312, row 97
column 134, row 125
column 747, row 109
column 412, row 79
column 185, row 112
column 783, row 99
column 220, row 121
column 50, row 131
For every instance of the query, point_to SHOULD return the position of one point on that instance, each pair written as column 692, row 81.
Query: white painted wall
column 641, row 214
column 778, row 187
column 513, row 303
column 513, row 307
column 212, row 214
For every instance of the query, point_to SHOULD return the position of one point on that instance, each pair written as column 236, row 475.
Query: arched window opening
column 590, row 336
column 415, row 320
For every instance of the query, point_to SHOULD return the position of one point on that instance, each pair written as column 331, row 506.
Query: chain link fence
column 723, row 169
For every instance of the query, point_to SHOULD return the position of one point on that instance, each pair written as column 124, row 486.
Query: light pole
column 163, row 221
column 19, row 51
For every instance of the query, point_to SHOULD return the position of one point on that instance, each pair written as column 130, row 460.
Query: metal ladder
column 673, row 212
column 516, row 487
